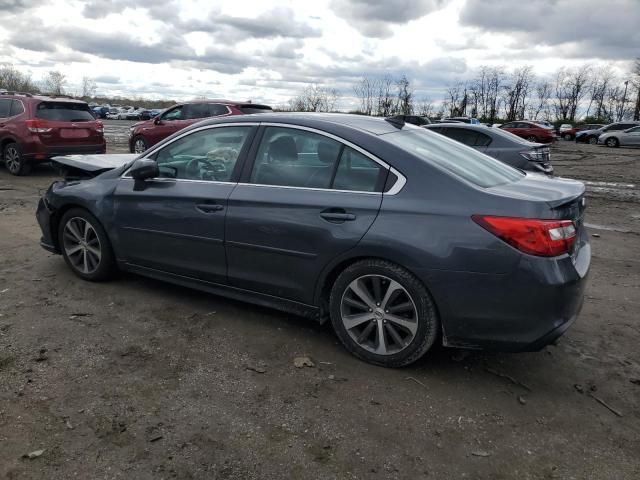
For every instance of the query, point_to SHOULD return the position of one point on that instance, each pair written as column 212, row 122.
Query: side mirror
column 144, row 169
column 157, row 120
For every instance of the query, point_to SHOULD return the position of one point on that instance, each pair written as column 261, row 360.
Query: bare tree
column 365, row 91
column 404, row 103
column 89, row 87
column 540, row 105
column 55, row 82
column 314, row 98
column 516, row 93
column 425, row 107
column 385, row 101
column 13, row 80
column 636, row 82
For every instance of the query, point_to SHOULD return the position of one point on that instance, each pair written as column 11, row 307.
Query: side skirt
column 228, row 291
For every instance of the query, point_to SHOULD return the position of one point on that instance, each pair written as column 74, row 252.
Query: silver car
column 626, row 138
column 499, row 144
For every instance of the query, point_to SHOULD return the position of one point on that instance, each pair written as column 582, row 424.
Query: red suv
column 530, row 131
column 34, row 128
column 145, row 134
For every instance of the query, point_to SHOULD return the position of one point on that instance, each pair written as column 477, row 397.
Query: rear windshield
column 454, row 157
column 248, row 109
column 64, row 112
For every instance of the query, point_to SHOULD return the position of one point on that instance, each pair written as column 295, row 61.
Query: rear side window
column 249, row 109
column 16, row 108
column 5, row 107
column 358, row 173
column 469, row 137
column 457, row 159
column 64, row 112
column 215, row 110
column 192, row 111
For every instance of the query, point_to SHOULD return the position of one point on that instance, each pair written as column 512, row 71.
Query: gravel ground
column 140, row 379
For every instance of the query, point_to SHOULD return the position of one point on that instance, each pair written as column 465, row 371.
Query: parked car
column 146, row 134
column 398, row 235
column 499, row 144
column 113, row 113
column 625, row 138
column 101, row 112
column 591, row 136
column 413, row 119
column 530, row 131
column 34, row 128
column 146, row 114
column 565, row 127
column 570, row 134
column 472, row 121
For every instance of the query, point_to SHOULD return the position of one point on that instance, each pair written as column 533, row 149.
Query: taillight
column 544, row 238
column 99, row 127
column 38, row 126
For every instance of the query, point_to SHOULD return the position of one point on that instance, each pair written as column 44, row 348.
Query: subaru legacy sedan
column 399, row 236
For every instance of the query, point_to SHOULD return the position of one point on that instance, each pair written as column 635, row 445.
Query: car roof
column 373, row 125
column 222, row 101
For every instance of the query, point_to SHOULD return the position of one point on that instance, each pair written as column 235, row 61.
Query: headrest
column 283, row 149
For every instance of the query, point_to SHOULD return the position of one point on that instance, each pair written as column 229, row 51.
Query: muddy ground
column 137, row 379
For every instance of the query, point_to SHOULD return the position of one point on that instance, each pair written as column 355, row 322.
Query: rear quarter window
column 453, row 157
column 64, row 112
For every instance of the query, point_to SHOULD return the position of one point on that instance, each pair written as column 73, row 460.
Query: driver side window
column 209, row 154
column 174, row 114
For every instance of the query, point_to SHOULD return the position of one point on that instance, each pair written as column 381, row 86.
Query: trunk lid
column 83, row 166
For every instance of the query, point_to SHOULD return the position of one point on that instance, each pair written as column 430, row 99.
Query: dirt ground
column 137, row 379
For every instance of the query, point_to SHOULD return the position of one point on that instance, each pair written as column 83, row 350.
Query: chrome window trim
column 395, row 189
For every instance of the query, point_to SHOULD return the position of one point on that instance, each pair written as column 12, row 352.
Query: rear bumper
column 38, row 151
column 515, row 312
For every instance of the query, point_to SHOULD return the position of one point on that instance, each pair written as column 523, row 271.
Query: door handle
column 337, row 215
column 209, row 207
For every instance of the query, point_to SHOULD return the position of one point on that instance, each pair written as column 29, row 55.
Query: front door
column 306, row 199
column 175, row 223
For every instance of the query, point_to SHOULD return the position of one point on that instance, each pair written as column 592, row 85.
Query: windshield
column 64, row 112
column 454, row 157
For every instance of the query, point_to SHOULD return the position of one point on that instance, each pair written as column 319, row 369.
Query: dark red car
column 34, row 128
column 145, row 134
column 571, row 133
column 530, row 131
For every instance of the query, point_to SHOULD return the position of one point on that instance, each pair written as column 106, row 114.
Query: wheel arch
column 6, row 141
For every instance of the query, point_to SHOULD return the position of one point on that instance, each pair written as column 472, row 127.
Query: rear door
column 306, row 198
column 632, row 137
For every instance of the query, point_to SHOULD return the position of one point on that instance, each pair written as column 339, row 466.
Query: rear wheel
column 382, row 313
column 85, row 246
column 139, row 145
column 612, row 142
column 567, row 136
column 14, row 161
column 532, row 138
column 593, row 141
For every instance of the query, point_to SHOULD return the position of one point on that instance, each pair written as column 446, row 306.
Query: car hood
column 95, row 164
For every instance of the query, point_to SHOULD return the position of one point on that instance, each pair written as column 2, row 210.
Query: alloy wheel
column 593, row 140
column 82, row 245
column 139, row 146
column 12, row 160
column 612, row 142
column 379, row 314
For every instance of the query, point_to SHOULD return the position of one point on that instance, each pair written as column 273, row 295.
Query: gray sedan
column 398, row 236
column 499, row 144
column 626, row 138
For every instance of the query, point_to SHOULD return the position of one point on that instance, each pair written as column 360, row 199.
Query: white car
column 564, row 127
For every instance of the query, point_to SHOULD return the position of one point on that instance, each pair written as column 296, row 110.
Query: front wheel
column 612, row 142
column 14, row 161
column 567, row 136
column 532, row 138
column 139, row 145
column 85, row 246
column 382, row 313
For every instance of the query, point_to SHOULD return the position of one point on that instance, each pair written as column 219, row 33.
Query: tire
column 593, row 141
column 139, row 144
column 532, row 138
column 410, row 304
column 567, row 137
column 612, row 142
column 72, row 235
column 14, row 161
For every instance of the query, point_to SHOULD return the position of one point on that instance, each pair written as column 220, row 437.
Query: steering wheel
column 205, row 169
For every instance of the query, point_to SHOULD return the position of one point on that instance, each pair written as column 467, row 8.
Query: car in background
column 472, row 121
column 591, row 136
column 625, row 138
column 101, row 112
column 565, row 127
column 146, row 134
column 413, row 119
column 543, row 123
column 399, row 236
column 499, row 144
column 146, row 114
column 113, row 113
column 570, row 134
column 531, row 131
column 34, row 128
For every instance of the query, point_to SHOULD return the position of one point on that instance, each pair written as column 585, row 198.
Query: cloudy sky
column 267, row 50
